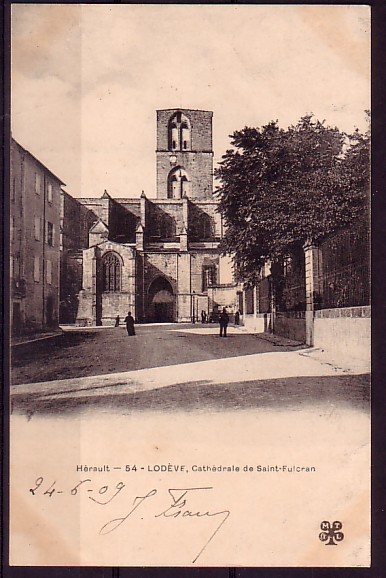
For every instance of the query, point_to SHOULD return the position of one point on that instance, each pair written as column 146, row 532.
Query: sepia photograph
column 190, row 285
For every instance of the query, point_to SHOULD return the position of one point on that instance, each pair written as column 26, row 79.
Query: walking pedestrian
column 223, row 320
column 237, row 317
column 129, row 320
column 117, row 320
column 203, row 316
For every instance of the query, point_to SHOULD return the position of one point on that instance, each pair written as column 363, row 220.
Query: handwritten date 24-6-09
column 177, row 504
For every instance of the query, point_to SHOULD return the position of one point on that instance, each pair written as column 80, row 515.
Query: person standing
column 129, row 320
column 223, row 320
column 117, row 320
column 237, row 317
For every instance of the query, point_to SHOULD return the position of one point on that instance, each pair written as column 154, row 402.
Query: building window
column 50, row 240
column 36, row 269
column 185, row 136
column 49, row 192
column 209, row 276
column 111, row 272
column 12, row 229
column 178, row 183
column 11, row 267
column 15, row 267
column 174, row 136
column 49, row 272
column 38, row 183
column 13, row 190
column 179, row 132
column 37, row 228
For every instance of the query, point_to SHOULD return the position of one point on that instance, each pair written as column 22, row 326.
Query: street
column 170, row 367
column 96, row 351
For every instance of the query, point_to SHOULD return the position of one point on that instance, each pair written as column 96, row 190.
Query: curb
column 276, row 340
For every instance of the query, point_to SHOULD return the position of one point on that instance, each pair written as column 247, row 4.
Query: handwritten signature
column 178, row 505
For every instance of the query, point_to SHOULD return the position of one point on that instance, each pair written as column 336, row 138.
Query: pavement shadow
column 297, row 394
column 25, row 352
column 84, row 354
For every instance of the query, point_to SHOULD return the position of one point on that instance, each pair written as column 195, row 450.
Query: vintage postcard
column 190, row 308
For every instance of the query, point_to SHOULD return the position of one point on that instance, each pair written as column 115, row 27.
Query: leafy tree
column 282, row 187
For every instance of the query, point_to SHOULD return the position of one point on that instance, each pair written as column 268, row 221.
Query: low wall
column 291, row 324
column 261, row 323
column 346, row 332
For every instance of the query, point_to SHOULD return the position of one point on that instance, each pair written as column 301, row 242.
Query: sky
column 87, row 79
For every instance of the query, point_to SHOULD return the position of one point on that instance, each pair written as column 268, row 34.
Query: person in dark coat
column 237, row 318
column 223, row 320
column 129, row 320
column 117, row 320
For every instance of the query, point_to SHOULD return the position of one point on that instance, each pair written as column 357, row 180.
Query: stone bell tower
column 184, row 154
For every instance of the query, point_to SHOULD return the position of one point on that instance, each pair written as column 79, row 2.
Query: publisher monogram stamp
column 331, row 533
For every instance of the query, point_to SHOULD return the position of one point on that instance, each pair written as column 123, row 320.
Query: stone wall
column 197, row 161
column 176, row 240
column 259, row 323
column 291, row 324
column 203, row 225
column 76, row 221
column 161, row 265
column 164, row 220
column 199, row 168
column 344, row 333
column 198, row 261
column 100, row 207
column 201, row 128
column 97, row 307
column 224, row 297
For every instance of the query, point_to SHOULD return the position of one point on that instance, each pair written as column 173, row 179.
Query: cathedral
column 156, row 257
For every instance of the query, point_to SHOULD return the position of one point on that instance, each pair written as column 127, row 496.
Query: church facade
column 156, row 257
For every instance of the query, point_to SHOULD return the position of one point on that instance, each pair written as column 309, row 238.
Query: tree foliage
column 282, row 187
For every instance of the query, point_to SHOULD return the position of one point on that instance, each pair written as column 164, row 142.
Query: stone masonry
column 155, row 257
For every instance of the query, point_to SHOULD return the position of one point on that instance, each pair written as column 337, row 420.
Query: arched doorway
column 161, row 301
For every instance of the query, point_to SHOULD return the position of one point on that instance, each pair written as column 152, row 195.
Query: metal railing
column 345, row 268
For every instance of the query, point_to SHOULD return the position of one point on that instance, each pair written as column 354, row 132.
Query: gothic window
column 184, row 185
column 111, row 272
column 174, row 188
column 179, row 133
column 178, row 183
column 209, row 276
column 185, row 136
column 174, row 136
